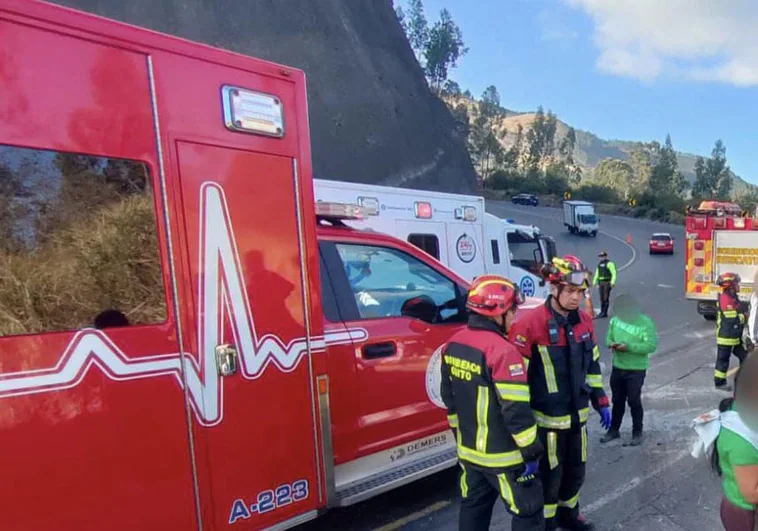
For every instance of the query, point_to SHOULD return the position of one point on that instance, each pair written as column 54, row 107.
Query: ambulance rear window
column 428, row 243
column 78, row 243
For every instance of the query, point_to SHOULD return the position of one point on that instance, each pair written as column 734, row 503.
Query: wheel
column 594, row 234
column 709, row 317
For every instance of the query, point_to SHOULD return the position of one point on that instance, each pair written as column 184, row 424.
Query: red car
column 661, row 242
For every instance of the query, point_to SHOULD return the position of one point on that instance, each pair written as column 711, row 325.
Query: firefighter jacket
column 605, row 272
column 563, row 367
column 731, row 320
column 486, row 393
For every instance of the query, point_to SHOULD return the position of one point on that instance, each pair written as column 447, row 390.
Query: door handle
column 379, row 350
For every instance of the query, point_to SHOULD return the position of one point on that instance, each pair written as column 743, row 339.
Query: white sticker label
column 466, row 248
column 434, row 378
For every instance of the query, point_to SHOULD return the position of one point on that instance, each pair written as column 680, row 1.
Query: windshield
column 525, row 251
column 661, row 237
column 587, row 218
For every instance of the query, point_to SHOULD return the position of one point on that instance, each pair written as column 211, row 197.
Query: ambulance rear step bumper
column 371, row 486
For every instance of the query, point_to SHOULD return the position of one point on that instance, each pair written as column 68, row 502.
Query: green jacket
column 641, row 338
column 611, row 266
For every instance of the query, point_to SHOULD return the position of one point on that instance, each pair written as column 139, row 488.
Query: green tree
column 642, row 164
column 663, row 178
column 615, row 174
column 444, row 47
column 712, row 175
column 452, row 88
column 416, row 27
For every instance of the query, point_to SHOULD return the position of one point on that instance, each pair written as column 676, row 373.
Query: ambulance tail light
column 423, row 210
column 699, row 262
column 370, row 205
column 339, row 210
column 719, row 223
column 699, row 245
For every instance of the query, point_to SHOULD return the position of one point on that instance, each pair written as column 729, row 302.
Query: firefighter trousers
column 480, row 489
column 562, row 472
column 723, row 355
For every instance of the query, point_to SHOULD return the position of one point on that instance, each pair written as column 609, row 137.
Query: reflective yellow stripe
column 526, row 363
column 553, row 423
column 595, row 381
column 547, row 362
column 720, row 374
column 515, row 392
column 482, row 405
column 551, row 510
column 584, row 415
column 507, row 493
column 727, row 341
column 730, row 314
column 596, row 353
column 464, row 482
column 490, row 283
column 584, row 443
column 526, row 437
column 569, row 503
column 552, row 449
column 490, row 460
column 452, row 420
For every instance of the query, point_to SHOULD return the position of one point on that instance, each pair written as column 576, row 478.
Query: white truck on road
column 453, row 228
column 580, row 217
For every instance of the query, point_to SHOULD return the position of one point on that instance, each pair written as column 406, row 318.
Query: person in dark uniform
column 605, row 280
column 559, row 341
column 730, row 325
column 485, row 390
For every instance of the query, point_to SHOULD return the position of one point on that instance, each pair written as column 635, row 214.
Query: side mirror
column 422, row 308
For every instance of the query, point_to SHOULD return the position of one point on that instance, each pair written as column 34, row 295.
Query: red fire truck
column 187, row 343
column 719, row 239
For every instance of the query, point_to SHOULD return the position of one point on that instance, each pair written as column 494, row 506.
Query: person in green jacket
column 632, row 337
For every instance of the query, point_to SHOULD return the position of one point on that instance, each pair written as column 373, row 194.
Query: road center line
column 397, row 524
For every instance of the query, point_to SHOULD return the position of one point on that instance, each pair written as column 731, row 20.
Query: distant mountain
column 591, row 149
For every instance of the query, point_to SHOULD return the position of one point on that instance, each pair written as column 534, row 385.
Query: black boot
column 609, row 436
column 636, row 439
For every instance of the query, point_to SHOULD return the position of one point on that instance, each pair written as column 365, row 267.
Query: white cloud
column 704, row 40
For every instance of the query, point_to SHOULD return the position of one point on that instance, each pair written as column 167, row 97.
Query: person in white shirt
column 752, row 321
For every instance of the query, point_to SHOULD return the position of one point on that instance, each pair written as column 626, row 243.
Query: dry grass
column 104, row 258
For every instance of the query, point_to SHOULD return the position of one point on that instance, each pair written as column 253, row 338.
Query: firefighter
column 605, row 279
column 730, row 325
column 485, row 390
column 558, row 339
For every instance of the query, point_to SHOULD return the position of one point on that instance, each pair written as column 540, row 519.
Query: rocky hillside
column 372, row 116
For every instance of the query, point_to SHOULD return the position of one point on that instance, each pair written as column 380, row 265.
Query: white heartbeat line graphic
column 222, row 294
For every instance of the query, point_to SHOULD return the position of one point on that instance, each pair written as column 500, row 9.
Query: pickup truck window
column 78, row 243
column 383, row 279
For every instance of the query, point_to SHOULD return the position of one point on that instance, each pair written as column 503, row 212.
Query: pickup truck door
column 385, row 388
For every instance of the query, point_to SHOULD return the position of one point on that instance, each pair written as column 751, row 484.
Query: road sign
column 567, row 195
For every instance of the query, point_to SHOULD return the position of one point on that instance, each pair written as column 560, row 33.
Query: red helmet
column 493, row 295
column 728, row 280
column 568, row 270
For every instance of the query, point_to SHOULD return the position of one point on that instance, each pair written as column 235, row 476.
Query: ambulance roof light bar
column 334, row 210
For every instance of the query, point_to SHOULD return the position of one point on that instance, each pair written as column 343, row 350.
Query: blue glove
column 605, row 417
column 530, row 472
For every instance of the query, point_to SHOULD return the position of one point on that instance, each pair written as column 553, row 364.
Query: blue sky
column 627, row 69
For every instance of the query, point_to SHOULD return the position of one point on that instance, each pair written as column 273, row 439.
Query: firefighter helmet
column 568, row 270
column 728, row 280
column 493, row 295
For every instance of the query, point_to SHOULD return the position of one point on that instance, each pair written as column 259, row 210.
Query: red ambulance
column 186, row 341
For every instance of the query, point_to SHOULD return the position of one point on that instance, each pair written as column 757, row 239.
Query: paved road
column 654, row 487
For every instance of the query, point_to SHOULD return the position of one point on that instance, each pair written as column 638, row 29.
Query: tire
column 594, row 234
column 709, row 317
